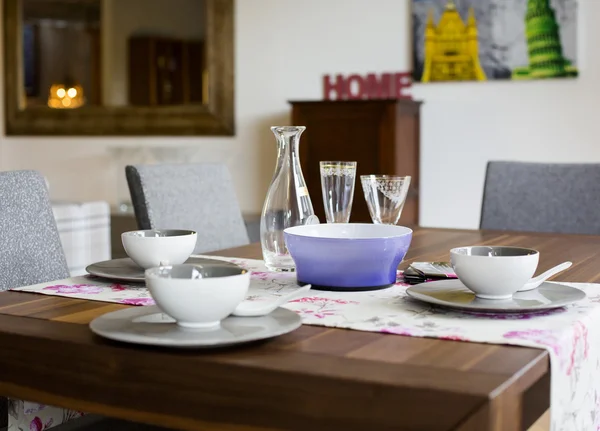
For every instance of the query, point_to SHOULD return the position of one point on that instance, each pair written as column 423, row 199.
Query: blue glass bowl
column 348, row 256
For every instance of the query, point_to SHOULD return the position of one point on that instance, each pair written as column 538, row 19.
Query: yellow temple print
column 452, row 48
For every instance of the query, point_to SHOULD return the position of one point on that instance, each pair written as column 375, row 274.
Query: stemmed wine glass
column 337, row 185
column 385, row 196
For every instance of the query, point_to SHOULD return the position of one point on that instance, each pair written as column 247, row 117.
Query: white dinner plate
column 149, row 326
column 454, row 294
column 126, row 269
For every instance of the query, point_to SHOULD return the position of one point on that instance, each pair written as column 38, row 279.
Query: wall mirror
column 119, row 67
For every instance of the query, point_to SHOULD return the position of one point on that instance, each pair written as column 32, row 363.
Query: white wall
column 466, row 125
column 284, row 47
column 121, row 19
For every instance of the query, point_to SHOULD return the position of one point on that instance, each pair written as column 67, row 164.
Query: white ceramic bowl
column 198, row 296
column 156, row 247
column 494, row 272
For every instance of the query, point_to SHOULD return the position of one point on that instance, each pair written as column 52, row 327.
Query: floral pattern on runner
column 28, row 416
column 84, row 289
column 570, row 334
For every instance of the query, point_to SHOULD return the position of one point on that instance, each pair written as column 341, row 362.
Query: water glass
column 385, row 196
column 337, row 184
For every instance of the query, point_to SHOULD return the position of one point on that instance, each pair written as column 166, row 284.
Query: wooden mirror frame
column 214, row 118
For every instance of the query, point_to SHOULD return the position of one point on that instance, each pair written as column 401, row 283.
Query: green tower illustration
column 546, row 58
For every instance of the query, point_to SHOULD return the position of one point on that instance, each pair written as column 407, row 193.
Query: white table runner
column 571, row 335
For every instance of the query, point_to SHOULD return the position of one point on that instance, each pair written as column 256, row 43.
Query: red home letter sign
column 372, row 86
column 339, row 87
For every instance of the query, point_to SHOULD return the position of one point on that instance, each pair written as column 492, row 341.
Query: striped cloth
column 84, row 229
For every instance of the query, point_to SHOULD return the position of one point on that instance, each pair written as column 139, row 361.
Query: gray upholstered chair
column 30, row 253
column 197, row 197
column 542, row 197
column 30, row 247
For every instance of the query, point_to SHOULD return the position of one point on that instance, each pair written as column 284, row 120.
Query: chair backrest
column 542, row 197
column 197, row 197
column 30, row 247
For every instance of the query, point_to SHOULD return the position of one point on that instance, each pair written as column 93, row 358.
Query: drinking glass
column 385, row 196
column 337, row 184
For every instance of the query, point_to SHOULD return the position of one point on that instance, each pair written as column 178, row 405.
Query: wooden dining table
column 315, row 378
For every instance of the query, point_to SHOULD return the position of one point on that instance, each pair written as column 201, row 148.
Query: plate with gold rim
column 454, row 294
column 148, row 325
column 126, row 269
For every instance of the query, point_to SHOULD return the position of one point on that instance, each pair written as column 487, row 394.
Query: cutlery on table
column 260, row 308
column 536, row 281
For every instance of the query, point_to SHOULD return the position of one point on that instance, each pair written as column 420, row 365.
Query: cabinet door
column 406, row 160
column 169, row 83
column 340, row 132
column 142, row 72
column 193, row 72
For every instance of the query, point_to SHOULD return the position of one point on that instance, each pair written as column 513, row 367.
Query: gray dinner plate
column 149, row 326
column 454, row 294
column 127, row 270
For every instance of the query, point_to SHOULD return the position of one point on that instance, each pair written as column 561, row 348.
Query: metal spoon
column 536, row 281
column 258, row 308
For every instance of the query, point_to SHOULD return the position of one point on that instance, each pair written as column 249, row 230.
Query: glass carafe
column 288, row 202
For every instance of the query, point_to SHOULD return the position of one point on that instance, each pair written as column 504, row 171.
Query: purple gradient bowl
column 348, row 256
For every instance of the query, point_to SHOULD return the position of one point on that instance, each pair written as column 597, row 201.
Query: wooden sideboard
column 381, row 135
column 165, row 71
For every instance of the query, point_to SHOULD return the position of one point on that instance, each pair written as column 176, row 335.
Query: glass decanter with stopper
column 287, row 203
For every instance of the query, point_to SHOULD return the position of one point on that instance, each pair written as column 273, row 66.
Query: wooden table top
column 314, row 378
